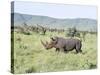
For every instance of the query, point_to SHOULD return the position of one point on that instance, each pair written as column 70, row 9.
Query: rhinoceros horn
column 44, row 44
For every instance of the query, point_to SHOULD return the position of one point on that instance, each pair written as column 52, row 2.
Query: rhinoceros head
column 51, row 44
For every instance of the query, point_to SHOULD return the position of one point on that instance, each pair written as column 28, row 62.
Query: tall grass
column 30, row 56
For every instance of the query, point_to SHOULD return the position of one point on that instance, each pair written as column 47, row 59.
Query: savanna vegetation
column 30, row 55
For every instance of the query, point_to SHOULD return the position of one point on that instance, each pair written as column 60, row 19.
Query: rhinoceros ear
column 52, row 39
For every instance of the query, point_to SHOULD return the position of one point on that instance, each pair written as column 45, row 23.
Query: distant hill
column 79, row 23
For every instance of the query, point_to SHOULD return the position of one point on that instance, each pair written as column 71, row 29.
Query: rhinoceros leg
column 65, row 51
column 78, row 47
column 57, row 49
column 78, row 50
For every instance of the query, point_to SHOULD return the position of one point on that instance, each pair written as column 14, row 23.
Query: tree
column 72, row 32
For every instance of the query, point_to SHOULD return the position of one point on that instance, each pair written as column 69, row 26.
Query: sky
column 61, row 11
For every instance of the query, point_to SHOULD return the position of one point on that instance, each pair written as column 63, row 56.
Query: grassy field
column 30, row 55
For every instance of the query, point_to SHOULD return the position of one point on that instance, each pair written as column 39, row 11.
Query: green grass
column 30, row 55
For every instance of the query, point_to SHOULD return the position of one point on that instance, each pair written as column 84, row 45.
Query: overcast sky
column 56, row 10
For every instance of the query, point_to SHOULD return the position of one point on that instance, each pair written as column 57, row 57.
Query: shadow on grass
column 92, row 66
column 30, row 70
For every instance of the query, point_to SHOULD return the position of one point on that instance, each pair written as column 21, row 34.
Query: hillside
column 80, row 23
